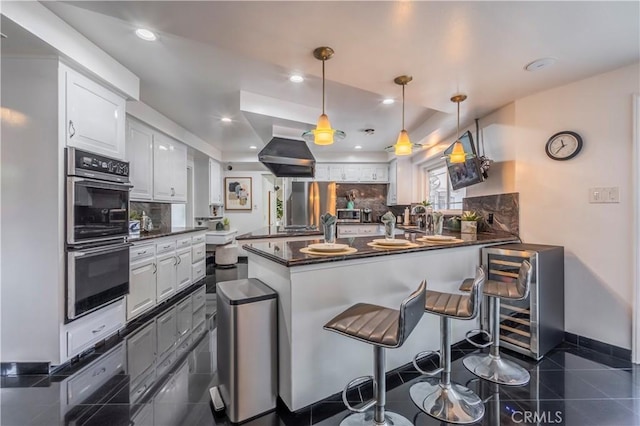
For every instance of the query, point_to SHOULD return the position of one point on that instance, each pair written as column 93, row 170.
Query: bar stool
column 443, row 399
column 490, row 366
column 383, row 328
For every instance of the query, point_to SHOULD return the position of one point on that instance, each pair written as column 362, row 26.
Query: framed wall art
column 238, row 193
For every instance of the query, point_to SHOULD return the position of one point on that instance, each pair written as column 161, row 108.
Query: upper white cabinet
column 322, row 172
column 347, row 172
column 374, row 173
column 94, row 116
column 169, row 169
column 400, row 182
column 215, row 182
column 140, row 157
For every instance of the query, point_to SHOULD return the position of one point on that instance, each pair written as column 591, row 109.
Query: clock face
column 564, row 145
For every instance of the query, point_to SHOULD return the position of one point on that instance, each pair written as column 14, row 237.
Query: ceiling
column 208, row 53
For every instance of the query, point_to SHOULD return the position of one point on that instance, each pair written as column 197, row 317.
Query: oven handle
column 100, row 250
column 102, row 184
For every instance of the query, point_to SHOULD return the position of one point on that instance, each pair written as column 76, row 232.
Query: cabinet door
column 183, row 269
column 140, row 157
column 179, row 172
column 381, row 173
column 141, row 351
column 166, row 276
column 142, row 288
column 367, row 173
column 162, row 163
column 336, row 173
column 184, row 318
column 392, row 198
column 215, row 182
column 322, row 172
column 352, row 173
column 95, row 117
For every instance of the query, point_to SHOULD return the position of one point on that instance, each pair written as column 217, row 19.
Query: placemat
column 349, row 250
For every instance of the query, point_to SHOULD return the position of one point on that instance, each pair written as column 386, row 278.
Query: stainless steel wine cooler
column 534, row 325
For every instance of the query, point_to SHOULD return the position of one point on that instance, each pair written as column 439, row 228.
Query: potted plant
column 225, row 223
column 469, row 222
column 279, row 211
column 134, row 222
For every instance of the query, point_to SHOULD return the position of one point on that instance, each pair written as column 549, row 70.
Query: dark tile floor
column 571, row 386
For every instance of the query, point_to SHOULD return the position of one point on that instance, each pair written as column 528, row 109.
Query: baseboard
column 598, row 346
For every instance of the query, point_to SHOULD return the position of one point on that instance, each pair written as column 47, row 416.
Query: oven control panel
column 87, row 164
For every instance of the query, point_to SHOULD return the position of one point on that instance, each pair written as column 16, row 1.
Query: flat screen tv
column 467, row 173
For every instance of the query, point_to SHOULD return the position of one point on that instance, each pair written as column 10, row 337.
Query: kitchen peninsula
column 312, row 289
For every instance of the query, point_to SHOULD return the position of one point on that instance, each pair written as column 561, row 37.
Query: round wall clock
column 563, row 145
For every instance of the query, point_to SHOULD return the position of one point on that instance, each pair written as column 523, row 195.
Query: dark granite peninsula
column 314, row 288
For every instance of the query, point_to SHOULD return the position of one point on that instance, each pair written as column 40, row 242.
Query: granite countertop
column 164, row 232
column 288, row 253
column 277, row 232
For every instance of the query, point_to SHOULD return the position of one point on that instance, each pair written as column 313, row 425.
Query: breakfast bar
column 313, row 288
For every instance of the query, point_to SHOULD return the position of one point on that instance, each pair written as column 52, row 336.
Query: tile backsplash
column 504, row 207
column 368, row 195
column 160, row 213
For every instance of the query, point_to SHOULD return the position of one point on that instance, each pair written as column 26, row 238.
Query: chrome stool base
column 390, row 419
column 496, row 369
column 452, row 404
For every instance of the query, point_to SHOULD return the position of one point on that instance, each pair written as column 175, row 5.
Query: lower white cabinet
column 167, row 328
column 166, row 278
column 184, row 312
column 142, row 287
column 183, row 268
column 90, row 329
column 199, row 270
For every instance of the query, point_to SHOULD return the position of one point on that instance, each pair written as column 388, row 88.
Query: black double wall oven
column 97, row 216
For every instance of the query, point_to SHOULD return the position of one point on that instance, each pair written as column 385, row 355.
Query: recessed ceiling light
column 226, row 119
column 295, row 78
column 253, row 147
column 357, row 147
column 389, row 101
column 146, row 34
column 539, row 64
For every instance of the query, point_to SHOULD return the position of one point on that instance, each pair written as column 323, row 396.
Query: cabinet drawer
column 137, row 390
column 83, row 384
column 199, row 317
column 184, row 318
column 199, row 251
column 198, row 271
column 184, row 345
column 199, row 239
column 198, row 330
column 89, row 330
column 141, row 252
column 166, row 363
column 199, row 298
column 165, row 247
column 183, row 242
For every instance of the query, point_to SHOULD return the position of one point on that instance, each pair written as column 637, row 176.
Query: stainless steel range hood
column 288, row 158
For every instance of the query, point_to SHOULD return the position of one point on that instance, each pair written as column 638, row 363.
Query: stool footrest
column 425, row 372
column 355, row 382
column 479, row 345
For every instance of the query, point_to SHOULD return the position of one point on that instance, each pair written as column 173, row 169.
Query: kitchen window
column 437, row 188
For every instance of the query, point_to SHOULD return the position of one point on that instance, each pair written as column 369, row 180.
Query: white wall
column 247, row 221
column 32, row 242
column 553, row 196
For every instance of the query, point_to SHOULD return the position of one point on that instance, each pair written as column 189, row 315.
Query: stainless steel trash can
column 247, row 347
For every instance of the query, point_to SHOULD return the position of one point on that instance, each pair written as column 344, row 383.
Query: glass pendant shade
column 403, row 145
column 457, row 154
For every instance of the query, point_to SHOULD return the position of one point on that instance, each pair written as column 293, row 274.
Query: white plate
column 394, row 242
column 327, row 247
column 438, row 238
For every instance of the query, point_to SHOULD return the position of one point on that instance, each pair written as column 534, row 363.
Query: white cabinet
column 322, row 172
column 215, row 182
column 400, row 182
column 92, row 328
column 166, row 278
column 140, row 157
column 169, row 169
column 374, row 173
column 184, row 318
column 344, row 172
column 183, row 268
column 142, row 287
column 166, row 326
column 94, row 116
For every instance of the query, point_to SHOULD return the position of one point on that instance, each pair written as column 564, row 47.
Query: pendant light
column 403, row 145
column 457, row 153
column 323, row 134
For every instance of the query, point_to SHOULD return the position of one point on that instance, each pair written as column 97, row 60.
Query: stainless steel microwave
column 349, row 215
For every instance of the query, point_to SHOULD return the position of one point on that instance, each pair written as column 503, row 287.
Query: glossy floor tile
column 122, row 383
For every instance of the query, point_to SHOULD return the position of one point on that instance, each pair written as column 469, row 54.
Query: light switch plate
column 604, row 195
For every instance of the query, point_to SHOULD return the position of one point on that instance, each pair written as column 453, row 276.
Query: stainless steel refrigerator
column 306, row 201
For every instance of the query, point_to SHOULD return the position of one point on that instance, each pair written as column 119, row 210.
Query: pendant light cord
column 403, row 107
column 323, row 86
column 458, row 127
